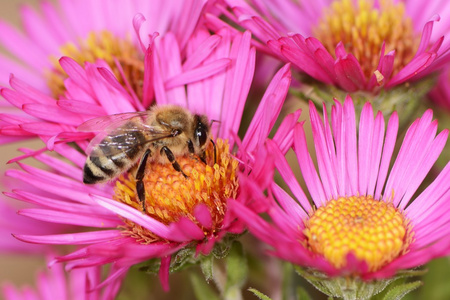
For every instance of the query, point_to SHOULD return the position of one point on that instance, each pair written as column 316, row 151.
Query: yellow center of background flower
column 374, row 231
column 170, row 196
column 105, row 46
column 363, row 28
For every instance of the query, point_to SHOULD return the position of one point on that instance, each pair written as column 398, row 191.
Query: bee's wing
column 110, row 122
column 128, row 137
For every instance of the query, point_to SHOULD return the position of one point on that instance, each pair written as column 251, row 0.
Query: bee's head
column 201, row 131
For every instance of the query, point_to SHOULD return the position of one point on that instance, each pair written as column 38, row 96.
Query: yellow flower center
column 374, row 231
column 363, row 28
column 105, row 46
column 170, row 196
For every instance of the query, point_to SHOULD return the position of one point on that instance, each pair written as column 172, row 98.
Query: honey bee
column 158, row 135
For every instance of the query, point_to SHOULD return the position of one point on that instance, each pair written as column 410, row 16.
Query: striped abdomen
column 112, row 156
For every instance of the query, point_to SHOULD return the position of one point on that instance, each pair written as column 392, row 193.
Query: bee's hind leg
column 140, row 189
column 172, row 160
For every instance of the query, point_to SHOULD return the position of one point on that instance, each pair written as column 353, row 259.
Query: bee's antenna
column 213, row 121
column 215, row 151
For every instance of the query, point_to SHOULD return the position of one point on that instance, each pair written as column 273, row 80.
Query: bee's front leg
column 172, row 160
column 140, row 188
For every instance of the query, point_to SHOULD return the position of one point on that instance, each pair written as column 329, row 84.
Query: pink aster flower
column 89, row 30
column 214, row 79
column 115, row 32
column 359, row 217
column 56, row 284
column 354, row 45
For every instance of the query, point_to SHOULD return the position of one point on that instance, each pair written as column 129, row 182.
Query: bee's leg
column 215, row 151
column 140, row 189
column 192, row 151
column 172, row 160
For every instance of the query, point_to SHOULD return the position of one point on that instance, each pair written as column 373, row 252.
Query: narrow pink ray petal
column 424, row 167
column 71, row 218
column 365, row 144
column 8, row 67
column 324, row 154
column 53, row 113
column 289, row 178
column 79, row 107
column 38, row 31
column 164, row 272
column 116, row 273
column 309, row 173
column 17, row 43
column 388, row 149
column 112, row 100
column 415, row 66
column 337, row 125
column 351, row 159
column 419, row 210
column 203, row 215
column 184, row 230
column 256, row 224
column 237, row 84
column 76, row 73
column 147, row 89
column 426, row 34
column 53, row 18
column 71, row 238
column 268, row 110
column 417, row 140
column 15, row 131
column 42, row 128
column 58, row 205
column 127, row 91
column 349, row 73
column 284, row 135
column 296, row 51
column 201, row 52
column 197, row 74
column 134, row 215
column 31, row 94
column 289, row 205
column 57, row 164
column 28, row 154
column 375, row 159
column 60, row 186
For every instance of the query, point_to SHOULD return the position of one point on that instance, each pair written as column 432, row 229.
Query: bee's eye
column 201, row 135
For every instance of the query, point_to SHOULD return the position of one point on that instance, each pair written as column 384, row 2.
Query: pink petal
column 72, row 238
column 134, row 215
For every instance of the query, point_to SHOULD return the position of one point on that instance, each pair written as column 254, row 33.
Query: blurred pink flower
column 57, row 284
column 213, row 79
column 440, row 94
column 114, row 32
column 66, row 27
column 349, row 44
column 361, row 217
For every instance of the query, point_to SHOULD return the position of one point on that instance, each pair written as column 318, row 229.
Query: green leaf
column 206, row 265
column 400, row 291
column 259, row 294
column 202, row 290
